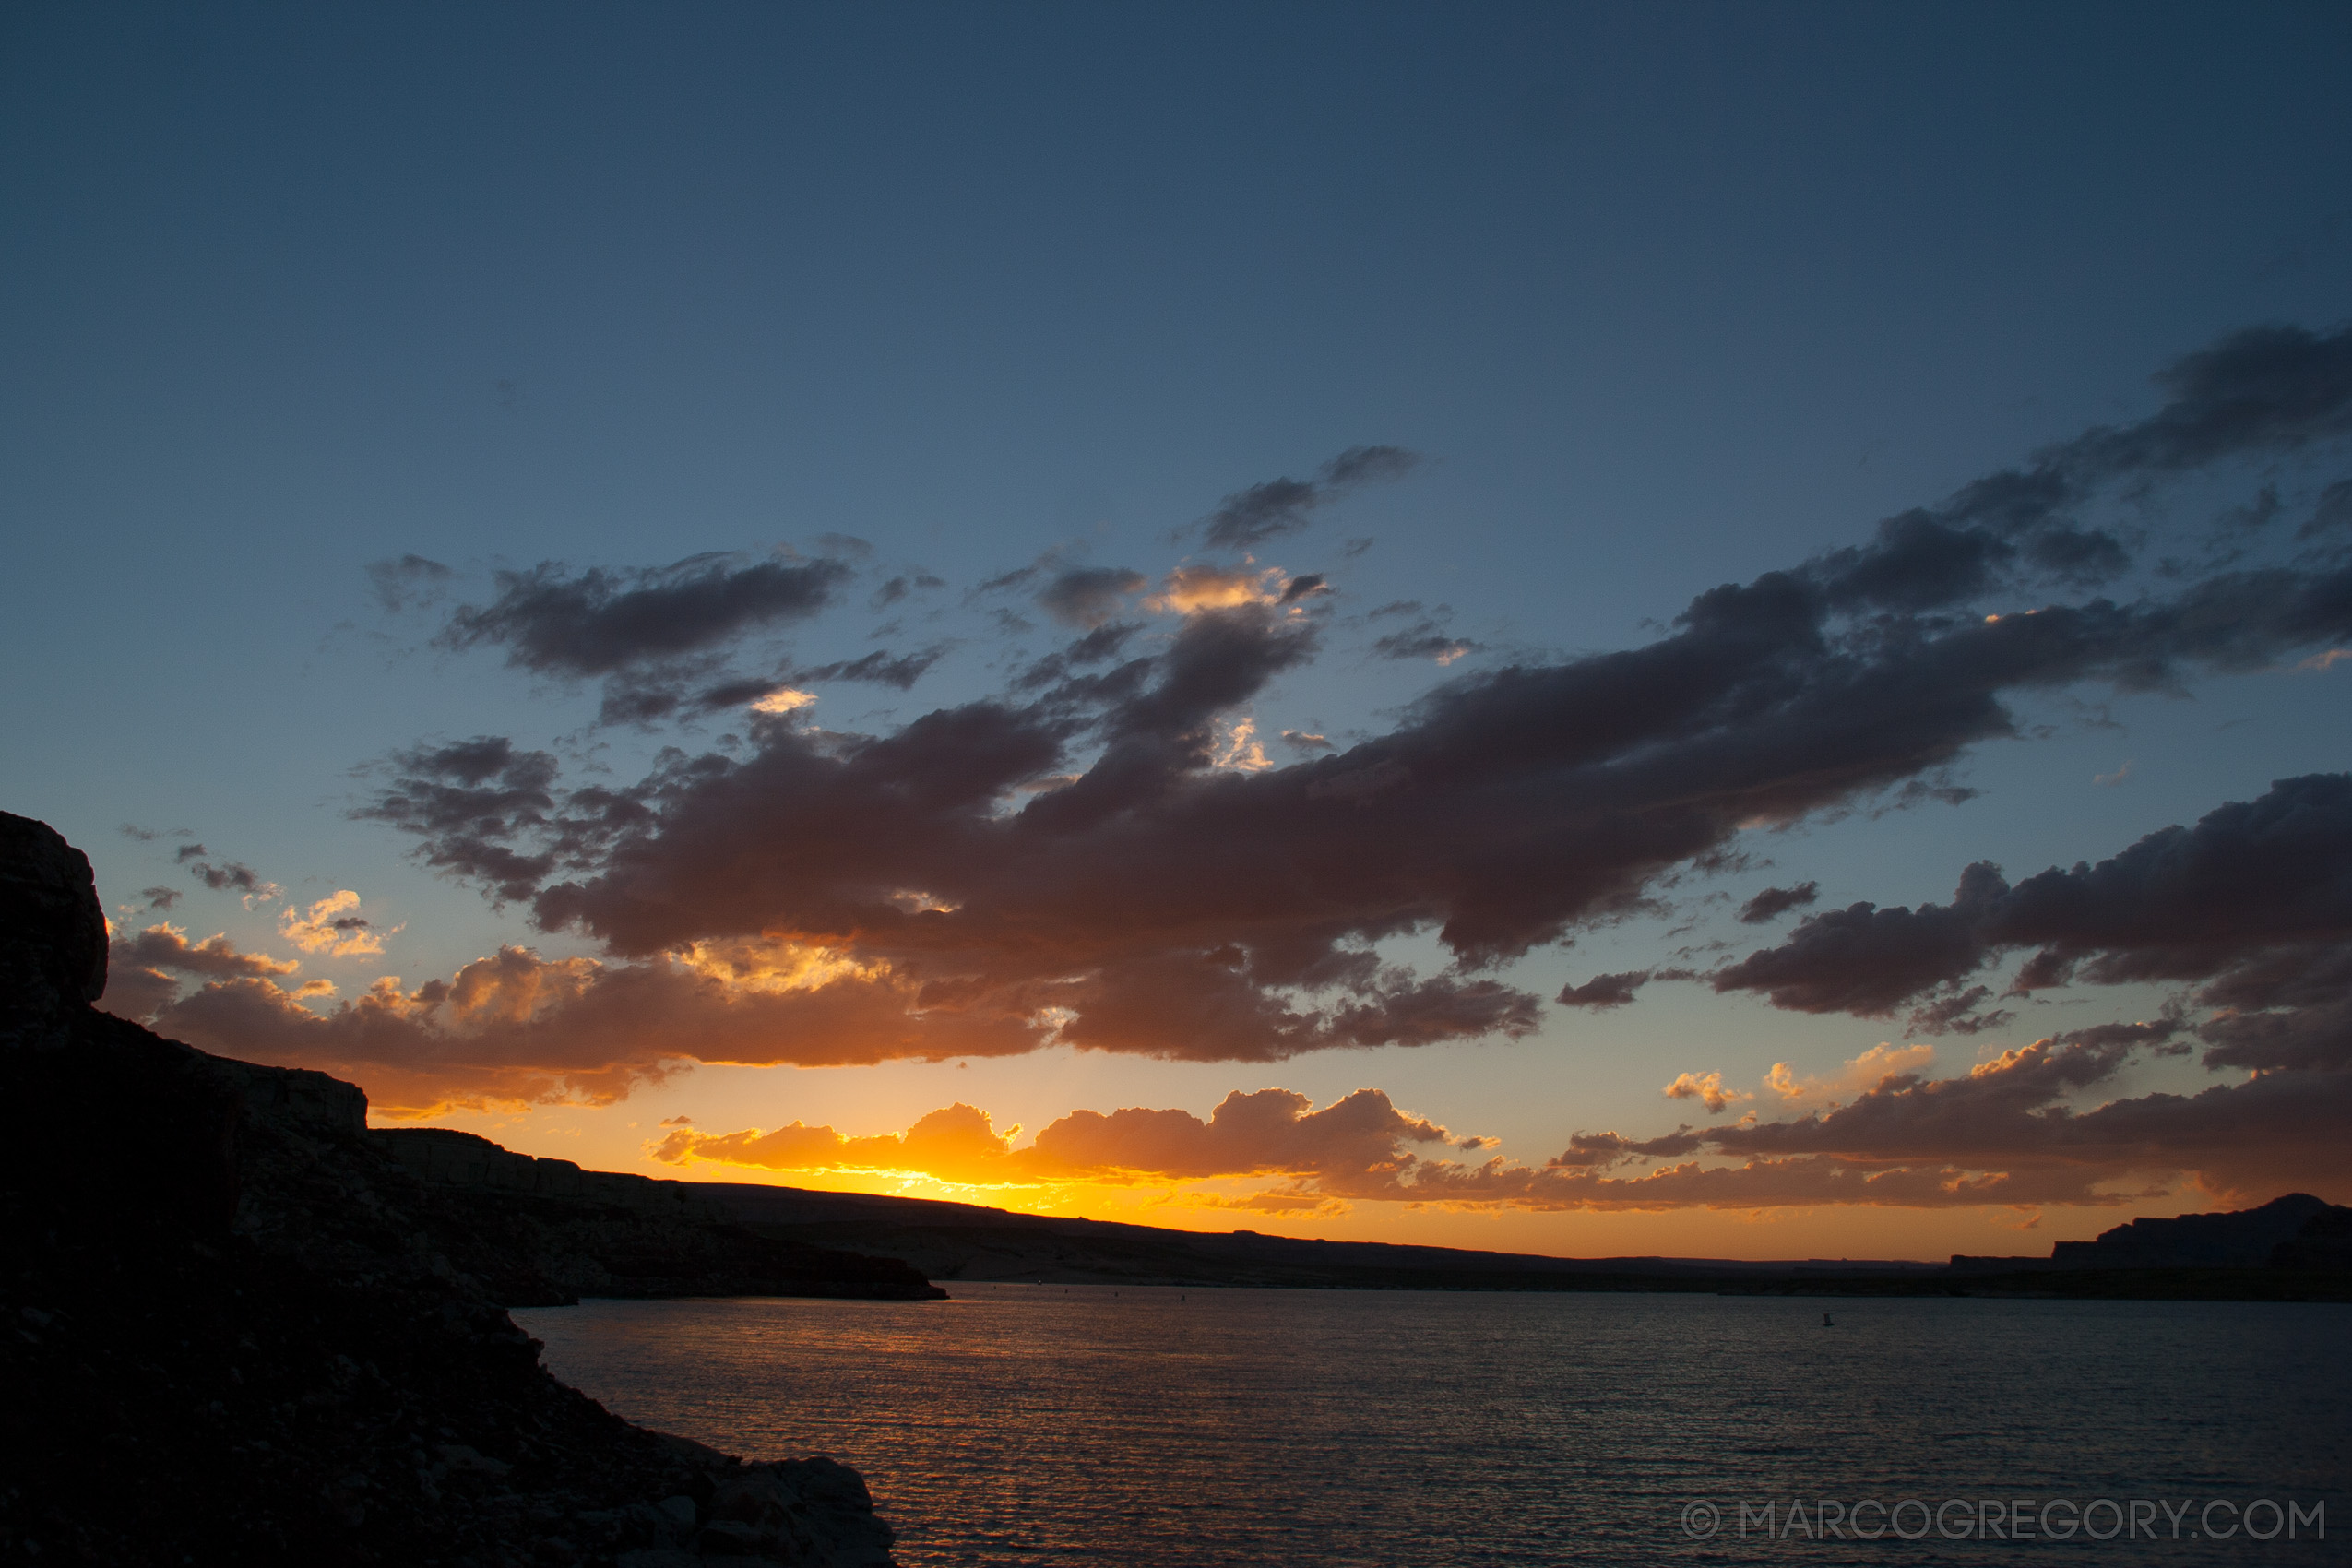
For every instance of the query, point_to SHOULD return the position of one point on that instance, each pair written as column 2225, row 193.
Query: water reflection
column 1054, row 1425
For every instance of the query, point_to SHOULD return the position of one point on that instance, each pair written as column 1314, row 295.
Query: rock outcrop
column 544, row 1232
column 237, row 1329
column 2247, row 1238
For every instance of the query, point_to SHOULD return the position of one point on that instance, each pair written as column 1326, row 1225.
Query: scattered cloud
column 1868, row 1071
column 1248, row 518
column 228, row 877
column 1188, row 590
column 1604, row 990
column 1104, row 876
column 1088, row 596
column 599, row 621
column 332, row 927
column 1774, row 902
column 409, row 582
column 1707, row 1089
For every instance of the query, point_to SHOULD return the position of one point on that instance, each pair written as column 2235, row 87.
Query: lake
column 1093, row 1425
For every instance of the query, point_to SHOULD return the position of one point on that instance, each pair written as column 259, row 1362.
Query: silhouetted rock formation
column 2297, row 1231
column 2239, row 1238
column 545, row 1232
column 238, row 1331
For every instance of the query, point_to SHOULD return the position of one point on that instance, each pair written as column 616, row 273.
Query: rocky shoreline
column 241, row 1328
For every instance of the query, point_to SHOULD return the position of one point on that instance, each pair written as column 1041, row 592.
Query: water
column 1083, row 1428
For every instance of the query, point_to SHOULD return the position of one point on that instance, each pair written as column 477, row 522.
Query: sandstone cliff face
column 236, row 1330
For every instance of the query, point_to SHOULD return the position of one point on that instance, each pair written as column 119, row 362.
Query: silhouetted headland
column 242, row 1329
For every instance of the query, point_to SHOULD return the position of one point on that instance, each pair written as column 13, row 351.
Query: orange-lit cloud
column 1188, row 590
column 783, row 699
column 332, row 927
column 515, row 1028
column 1707, row 1089
column 1866, row 1071
column 1270, row 1132
column 2001, row 1134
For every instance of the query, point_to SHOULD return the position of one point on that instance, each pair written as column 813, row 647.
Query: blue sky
column 1663, row 298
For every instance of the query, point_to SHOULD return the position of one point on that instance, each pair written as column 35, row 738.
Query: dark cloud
column 1424, row 639
column 1306, row 587
column 469, row 802
column 2255, row 900
column 215, row 958
column 1250, row 518
column 2263, row 393
column 1097, row 856
column 160, row 897
column 880, row 668
column 1604, row 991
column 1957, row 1014
column 1774, row 902
column 2333, row 511
column 138, row 834
column 1090, row 596
column 409, row 581
column 601, row 622
column 232, row 876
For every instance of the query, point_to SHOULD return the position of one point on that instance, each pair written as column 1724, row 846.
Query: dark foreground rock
column 233, row 1329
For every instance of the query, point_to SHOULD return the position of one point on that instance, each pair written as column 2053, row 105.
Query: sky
column 1596, row 630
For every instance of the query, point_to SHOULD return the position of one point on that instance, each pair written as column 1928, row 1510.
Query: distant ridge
column 2294, row 1231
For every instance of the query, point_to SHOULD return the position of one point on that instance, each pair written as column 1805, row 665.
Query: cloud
column 409, row 581
column 879, row 667
column 1271, row 1133
column 1099, row 872
column 227, row 877
column 1250, row 518
column 1424, row 639
column 2253, row 905
column 1868, row 1071
column 1707, row 1089
column 468, row 802
column 1604, row 990
column 600, row 622
column 515, row 1028
column 332, row 927
column 1088, row 596
column 160, row 898
column 1774, row 902
column 1310, row 585
column 166, row 946
column 659, row 638
column 2004, row 1133
column 141, row 969
column 1188, row 590
column 2264, row 392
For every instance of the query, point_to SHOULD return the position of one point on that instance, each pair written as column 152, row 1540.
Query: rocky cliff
column 240, row 1328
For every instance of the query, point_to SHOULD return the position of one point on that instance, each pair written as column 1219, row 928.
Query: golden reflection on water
column 1092, row 1425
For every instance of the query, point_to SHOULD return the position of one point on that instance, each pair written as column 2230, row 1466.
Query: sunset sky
column 1703, row 629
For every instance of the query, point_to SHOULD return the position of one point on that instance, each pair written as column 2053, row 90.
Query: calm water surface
column 1085, row 1426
